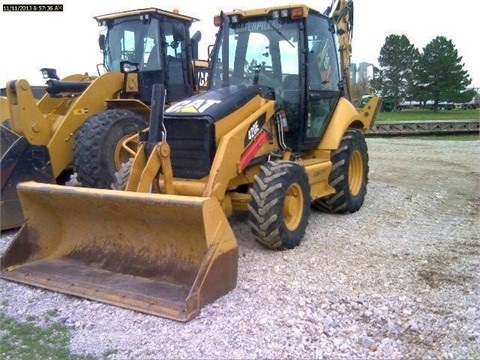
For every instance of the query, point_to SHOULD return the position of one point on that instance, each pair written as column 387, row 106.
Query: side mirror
column 101, row 42
column 194, row 42
column 179, row 32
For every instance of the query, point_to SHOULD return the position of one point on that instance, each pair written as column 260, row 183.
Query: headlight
column 128, row 67
column 49, row 73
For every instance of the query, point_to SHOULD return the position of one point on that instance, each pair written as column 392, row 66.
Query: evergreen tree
column 398, row 57
column 440, row 74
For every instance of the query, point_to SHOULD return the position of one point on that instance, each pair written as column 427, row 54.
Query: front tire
column 97, row 153
column 280, row 205
column 122, row 175
column 349, row 175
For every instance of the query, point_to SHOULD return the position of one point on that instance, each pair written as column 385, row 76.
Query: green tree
column 360, row 88
column 398, row 57
column 440, row 74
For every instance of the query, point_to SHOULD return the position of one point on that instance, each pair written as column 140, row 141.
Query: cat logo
column 192, row 106
column 188, row 109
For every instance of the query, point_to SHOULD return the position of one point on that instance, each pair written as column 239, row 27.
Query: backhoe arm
column 343, row 15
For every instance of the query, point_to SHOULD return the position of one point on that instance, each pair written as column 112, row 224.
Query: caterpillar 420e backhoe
column 275, row 134
column 77, row 124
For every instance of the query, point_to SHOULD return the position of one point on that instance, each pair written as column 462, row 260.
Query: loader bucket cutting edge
column 165, row 255
column 19, row 162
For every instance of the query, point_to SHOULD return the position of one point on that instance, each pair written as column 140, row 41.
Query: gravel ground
column 399, row 279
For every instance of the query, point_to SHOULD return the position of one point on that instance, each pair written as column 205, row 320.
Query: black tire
column 95, row 153
column 349, row 175
column 6, row 124
column 280, row 205
column 121, row 176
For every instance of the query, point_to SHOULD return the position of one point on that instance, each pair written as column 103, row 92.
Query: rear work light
column 297, row 13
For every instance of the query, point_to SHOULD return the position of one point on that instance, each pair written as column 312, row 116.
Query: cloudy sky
column 67, row 40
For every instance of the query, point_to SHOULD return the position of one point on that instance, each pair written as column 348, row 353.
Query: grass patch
column 25, row 340
column 429, row 115
column 455, row 137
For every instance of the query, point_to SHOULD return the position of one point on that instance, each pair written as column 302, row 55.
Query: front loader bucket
column 165, row 255
column 19, row 162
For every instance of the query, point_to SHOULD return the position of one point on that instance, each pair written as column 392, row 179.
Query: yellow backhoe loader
column 77, row 124
column 275, row 134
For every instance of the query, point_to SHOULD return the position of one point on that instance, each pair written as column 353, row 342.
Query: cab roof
column 268, row 10
column 120, row 14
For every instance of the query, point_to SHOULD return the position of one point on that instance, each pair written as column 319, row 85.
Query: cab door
column 323, row 78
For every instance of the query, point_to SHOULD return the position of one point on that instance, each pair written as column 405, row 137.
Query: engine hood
column 215, row 104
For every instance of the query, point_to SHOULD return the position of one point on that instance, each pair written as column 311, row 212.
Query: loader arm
column 145, row 172
column 26, row 118
column 56, row 128
column 32, row 117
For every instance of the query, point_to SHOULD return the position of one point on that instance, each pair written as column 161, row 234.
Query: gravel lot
column 397, row 280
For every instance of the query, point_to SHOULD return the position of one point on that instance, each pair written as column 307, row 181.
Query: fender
column 347, row 116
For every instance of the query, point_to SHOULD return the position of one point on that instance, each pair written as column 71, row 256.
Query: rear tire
column 280, row 205
column 349, row 175
column 96, row 153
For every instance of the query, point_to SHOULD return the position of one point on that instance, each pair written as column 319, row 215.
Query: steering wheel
column 259, row 68
column 263, row 72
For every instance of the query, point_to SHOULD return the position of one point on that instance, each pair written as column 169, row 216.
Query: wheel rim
column 355, row 173
column 292, row 207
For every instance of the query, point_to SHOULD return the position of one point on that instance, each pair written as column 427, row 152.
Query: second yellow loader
column 76, row 127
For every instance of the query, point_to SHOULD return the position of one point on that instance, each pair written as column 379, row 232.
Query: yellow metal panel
column 4, row 113
column 344, row 116
column 224, row 167
column 264, row 11
column 53, row 105
column 26, row 119
column 318, row 172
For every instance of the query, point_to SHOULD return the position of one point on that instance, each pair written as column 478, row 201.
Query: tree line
column 405, row 74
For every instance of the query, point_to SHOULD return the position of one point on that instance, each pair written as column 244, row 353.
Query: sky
column 68, row 42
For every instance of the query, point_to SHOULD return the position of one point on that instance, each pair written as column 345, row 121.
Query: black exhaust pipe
column 55, row 87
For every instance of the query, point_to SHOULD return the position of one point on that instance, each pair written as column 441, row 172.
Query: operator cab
column 302, row 68
column 158, row 42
